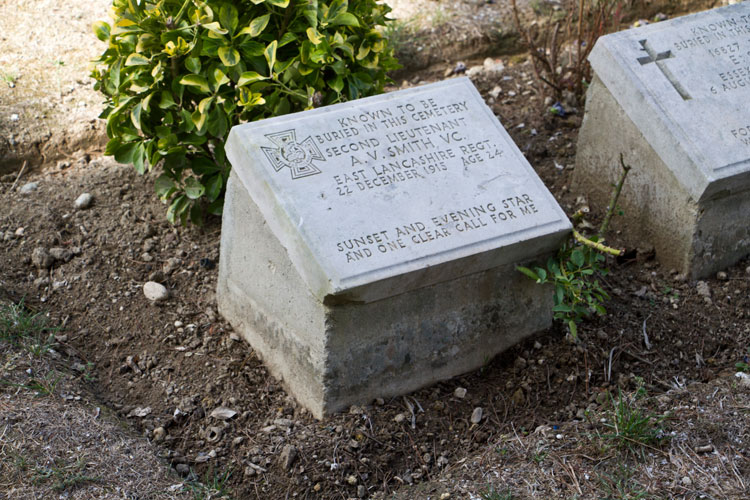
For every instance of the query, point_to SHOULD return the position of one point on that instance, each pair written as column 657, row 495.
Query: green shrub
column 178, row 74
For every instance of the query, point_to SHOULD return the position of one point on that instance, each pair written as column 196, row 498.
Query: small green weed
column 539, row 456
column 20, row 327
column 41, row 344
column 88, row 373
column 9, row 77
column 64, row 477
column 20, row 462
column 632, row 428
column 43, row 386
column 16, row 323
column 621, row 486
column 573, row 272
column 58, row 63
column 492, row 494
column 400, row 33
column 213, row 485
column 440, row 16
column 744, row 365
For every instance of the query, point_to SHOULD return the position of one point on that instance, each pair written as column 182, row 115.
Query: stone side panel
column 334, row 354
column 696, row 238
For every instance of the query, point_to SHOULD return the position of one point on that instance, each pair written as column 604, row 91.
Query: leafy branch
column 576, row 270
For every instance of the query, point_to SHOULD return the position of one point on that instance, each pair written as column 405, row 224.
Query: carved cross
column 658, row 58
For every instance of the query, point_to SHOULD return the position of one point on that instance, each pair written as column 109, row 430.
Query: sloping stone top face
column 392, row 185
column 686, row 84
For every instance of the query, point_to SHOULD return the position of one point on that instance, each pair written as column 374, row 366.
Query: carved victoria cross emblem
column 296, row 156
column 657, row 58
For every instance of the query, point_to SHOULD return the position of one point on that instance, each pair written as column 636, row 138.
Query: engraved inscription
column 402, row 143
column 296, row 156
column 404, row 181
column 711, row 57
column 437, row 227
column 657, row 58
column 742, row 134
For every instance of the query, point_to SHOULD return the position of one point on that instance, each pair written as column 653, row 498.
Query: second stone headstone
column 672, row 98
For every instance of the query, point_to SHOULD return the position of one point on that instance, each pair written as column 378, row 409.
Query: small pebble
column 476, row 415
column 84, row 201
column 223, row 413
column 155, row 292
column 721, row 275
column 460, row 392
column 159, row 434
column 29, row 187
column 703, row 289
column 41, row 258
column 288, row 456
column 705, row 449
column 61, row 254
column 493, row 65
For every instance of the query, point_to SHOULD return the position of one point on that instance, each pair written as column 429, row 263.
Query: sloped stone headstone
column 672, row 97
column 368, row 248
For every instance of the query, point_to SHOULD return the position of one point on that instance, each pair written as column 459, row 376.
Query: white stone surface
column 155, row 292
column 685, row 83
column 390, row 193
column 84, row 201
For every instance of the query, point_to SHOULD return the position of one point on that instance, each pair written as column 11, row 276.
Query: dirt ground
column 202, row 403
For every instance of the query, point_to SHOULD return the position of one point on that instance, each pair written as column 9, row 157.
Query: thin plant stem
column 595, row 244
column 615, row 196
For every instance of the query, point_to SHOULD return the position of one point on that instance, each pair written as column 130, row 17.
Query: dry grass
column 705, row 454
column 51, row 446
column 54, row 443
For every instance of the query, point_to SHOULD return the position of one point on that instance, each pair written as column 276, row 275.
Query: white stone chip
column 155, row 292
column 29, row 187
column 476, row 415
column 84, row 201
column 223, row 413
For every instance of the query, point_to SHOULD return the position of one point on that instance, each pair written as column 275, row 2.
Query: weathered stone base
column 696, row 237
column 333, row 355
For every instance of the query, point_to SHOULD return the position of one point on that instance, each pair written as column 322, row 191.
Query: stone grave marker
column 674, row 99
column 368, row 248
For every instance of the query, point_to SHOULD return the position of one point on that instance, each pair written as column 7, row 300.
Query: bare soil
column 667, row 345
